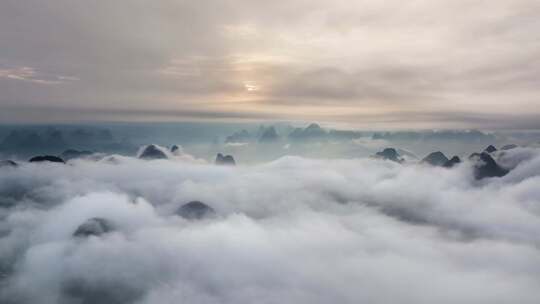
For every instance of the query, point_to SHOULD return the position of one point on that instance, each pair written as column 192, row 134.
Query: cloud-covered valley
column 294, row 230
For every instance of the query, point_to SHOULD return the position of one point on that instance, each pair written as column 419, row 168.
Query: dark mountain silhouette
column 389, row 154
column 195, row 210
column 8, row 163
column 452, row 162
column 225, row 160
column 435, row 159
column 46, row 158
column 490, row 149
column 95, row 226
column 72, row 154
column 152, row 152
column 486, row 166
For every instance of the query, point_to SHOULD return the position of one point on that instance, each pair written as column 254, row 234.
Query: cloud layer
column 291, row 231
column 420, row 64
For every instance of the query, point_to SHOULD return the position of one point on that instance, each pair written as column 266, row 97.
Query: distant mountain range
column 275, row 140
column 25, row 141
column 315, row 132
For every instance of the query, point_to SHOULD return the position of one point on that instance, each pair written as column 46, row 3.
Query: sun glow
column 251, row 86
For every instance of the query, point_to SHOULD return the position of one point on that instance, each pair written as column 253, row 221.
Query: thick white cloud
column 291, row 231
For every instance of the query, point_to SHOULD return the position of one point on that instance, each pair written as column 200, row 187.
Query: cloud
column 29, row 74
column 236, row 144
column 371, row 143
column 299, row 59
column 292, row 230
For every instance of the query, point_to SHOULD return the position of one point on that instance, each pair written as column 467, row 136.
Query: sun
column 251, row 86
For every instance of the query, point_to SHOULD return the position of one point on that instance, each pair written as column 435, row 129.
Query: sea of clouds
column 294, row 230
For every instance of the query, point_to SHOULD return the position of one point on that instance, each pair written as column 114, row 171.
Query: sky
column 367, row 64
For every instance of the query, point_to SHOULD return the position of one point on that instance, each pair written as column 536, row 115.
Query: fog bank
column 294, row 230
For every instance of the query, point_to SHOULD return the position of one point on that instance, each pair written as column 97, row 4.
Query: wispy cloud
column 29, row 74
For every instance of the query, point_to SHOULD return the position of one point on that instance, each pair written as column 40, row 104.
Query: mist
column 291, row 230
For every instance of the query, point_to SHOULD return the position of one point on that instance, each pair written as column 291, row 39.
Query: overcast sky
column 369, row 64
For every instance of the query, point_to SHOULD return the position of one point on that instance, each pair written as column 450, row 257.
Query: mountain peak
column 152, row 152
column 195, row 210
column 389, row 154
column 46, row 158
column 436, row 159
column 452, row 162
column 486, row 166
column 490, row 149
column 225, row 160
